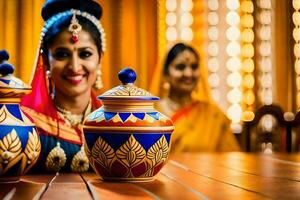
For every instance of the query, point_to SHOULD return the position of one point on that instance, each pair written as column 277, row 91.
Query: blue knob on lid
column 3, row 55
column 6, row 69
column 127, row 75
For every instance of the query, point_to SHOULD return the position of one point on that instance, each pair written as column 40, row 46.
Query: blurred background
column 251, row 48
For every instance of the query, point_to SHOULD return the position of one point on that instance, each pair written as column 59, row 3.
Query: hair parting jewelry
column 73, row 28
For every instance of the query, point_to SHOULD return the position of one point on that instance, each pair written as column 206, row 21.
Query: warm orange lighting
column 234, row 79
column 212, row 18
column 266, row 80
column 232, row 4
column 265, row 17
column 298, row 81
column 248, row 65
column 249, row 97
column 296, row 18
column 248, row 50
column 265, row 48
column 215, row 93
column 297, row 50
column 247, row 6
column 213, row 4
column 213, row 49
column 187, row 5
column 232, row 18
column 171, row 19
column 233, row 49
column 247, row 20
column 297, row 66
column 296, row 4
column 248, row 81
column 265, row 4
column 266, row 64
column 298, row 98
column 234, row 113
column 233, row 64
column 248, row 116
column 296, row 34
column 234, row 96
column 187, row 19
column 248, row 35
column 171, row 34
column 233, row 33
column 213, row 33
column 187, row 34
column 213, row 64
column 214, row 80
column 265, row 33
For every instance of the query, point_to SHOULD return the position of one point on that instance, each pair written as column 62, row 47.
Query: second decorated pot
column 127, row 139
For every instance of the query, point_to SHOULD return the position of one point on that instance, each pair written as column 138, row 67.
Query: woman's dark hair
column 174, row 51
column 52, row 7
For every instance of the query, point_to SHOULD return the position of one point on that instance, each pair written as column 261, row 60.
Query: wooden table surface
column 186, row 176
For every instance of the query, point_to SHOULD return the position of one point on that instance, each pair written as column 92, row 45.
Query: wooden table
column 186, row 176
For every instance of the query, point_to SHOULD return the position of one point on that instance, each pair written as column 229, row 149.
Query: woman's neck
column 75, row 105
column 181, row 99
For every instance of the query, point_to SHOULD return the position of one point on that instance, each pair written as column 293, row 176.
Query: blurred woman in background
column 199, row 124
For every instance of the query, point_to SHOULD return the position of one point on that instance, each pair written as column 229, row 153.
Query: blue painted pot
column 127, row 139
column 19, row 142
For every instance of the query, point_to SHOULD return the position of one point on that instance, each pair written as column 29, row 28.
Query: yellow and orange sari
column 201, row 126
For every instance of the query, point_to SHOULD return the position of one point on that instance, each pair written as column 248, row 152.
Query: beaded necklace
column 74, row 119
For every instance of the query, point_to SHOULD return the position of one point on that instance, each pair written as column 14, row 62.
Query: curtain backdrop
column 133, row 40
column 131, row 37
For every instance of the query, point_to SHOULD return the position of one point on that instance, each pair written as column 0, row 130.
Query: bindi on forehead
column 188, row 56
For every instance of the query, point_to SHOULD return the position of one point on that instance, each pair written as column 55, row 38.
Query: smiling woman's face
column 73, row 66
column 183, row 72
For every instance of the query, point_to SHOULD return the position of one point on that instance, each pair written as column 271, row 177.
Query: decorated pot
column 127, row 139
column 19, row 142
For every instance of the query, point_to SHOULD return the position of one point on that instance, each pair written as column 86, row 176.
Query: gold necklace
column 74, row 119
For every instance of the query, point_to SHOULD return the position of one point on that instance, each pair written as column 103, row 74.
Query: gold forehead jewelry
column 74, row 28
column 75, row 12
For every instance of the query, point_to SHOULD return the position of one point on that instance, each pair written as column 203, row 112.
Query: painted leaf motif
column 102, row 152
column 10, row 146
column 87, row 150
column 131, row 152
column 33, row 147
column 3, row 114
column 159, row 151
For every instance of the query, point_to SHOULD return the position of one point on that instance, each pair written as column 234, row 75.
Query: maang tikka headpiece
column 74, row 28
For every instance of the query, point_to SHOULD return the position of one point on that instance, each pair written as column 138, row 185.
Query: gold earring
column 48, row 73
column 51, row 86
column 166, row 85
column 166, row 88
column 98, row 83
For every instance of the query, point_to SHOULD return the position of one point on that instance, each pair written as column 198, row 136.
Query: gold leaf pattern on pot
column 33, row 147
column 131, row 152
column 10, row 147
column 102, row 152
column 159, row 151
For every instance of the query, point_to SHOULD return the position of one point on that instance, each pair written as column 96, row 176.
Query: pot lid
column 127, row 91
column 10, row 86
